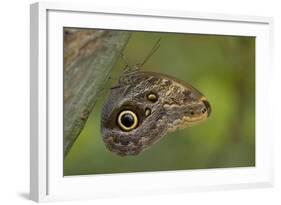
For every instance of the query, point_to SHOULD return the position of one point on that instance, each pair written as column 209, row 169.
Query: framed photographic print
column 127, row 102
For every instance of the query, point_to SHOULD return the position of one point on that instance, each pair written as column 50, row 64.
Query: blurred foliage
column 223, row 69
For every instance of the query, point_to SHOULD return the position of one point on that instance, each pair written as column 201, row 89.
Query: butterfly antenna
column 153, row 50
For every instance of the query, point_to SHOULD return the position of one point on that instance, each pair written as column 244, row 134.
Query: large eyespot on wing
column 127, row 120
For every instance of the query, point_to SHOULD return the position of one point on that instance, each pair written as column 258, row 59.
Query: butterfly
column 144, row 106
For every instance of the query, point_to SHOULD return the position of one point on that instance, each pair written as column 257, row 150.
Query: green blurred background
column 223, row 69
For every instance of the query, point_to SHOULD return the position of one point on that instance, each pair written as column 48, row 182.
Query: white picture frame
column 46, row 159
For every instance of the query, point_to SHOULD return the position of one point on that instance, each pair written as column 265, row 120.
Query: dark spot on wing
column 168, row 83
column 187, row 96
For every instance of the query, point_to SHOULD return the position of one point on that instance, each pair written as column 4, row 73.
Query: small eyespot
column 207, row 107
column 152, row 97
column 147, row 112
column 191, row 112
column 204, row 110
column 127, row 120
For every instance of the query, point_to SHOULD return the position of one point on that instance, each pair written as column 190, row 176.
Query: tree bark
column 89, row 56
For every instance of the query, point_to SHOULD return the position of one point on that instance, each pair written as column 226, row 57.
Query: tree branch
column 89, row 56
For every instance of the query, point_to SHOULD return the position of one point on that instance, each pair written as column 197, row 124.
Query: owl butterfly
column 144, row 106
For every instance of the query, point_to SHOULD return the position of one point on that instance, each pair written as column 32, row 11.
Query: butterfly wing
column 144, row 106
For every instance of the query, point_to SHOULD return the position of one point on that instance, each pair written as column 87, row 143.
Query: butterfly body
column 144, row 106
